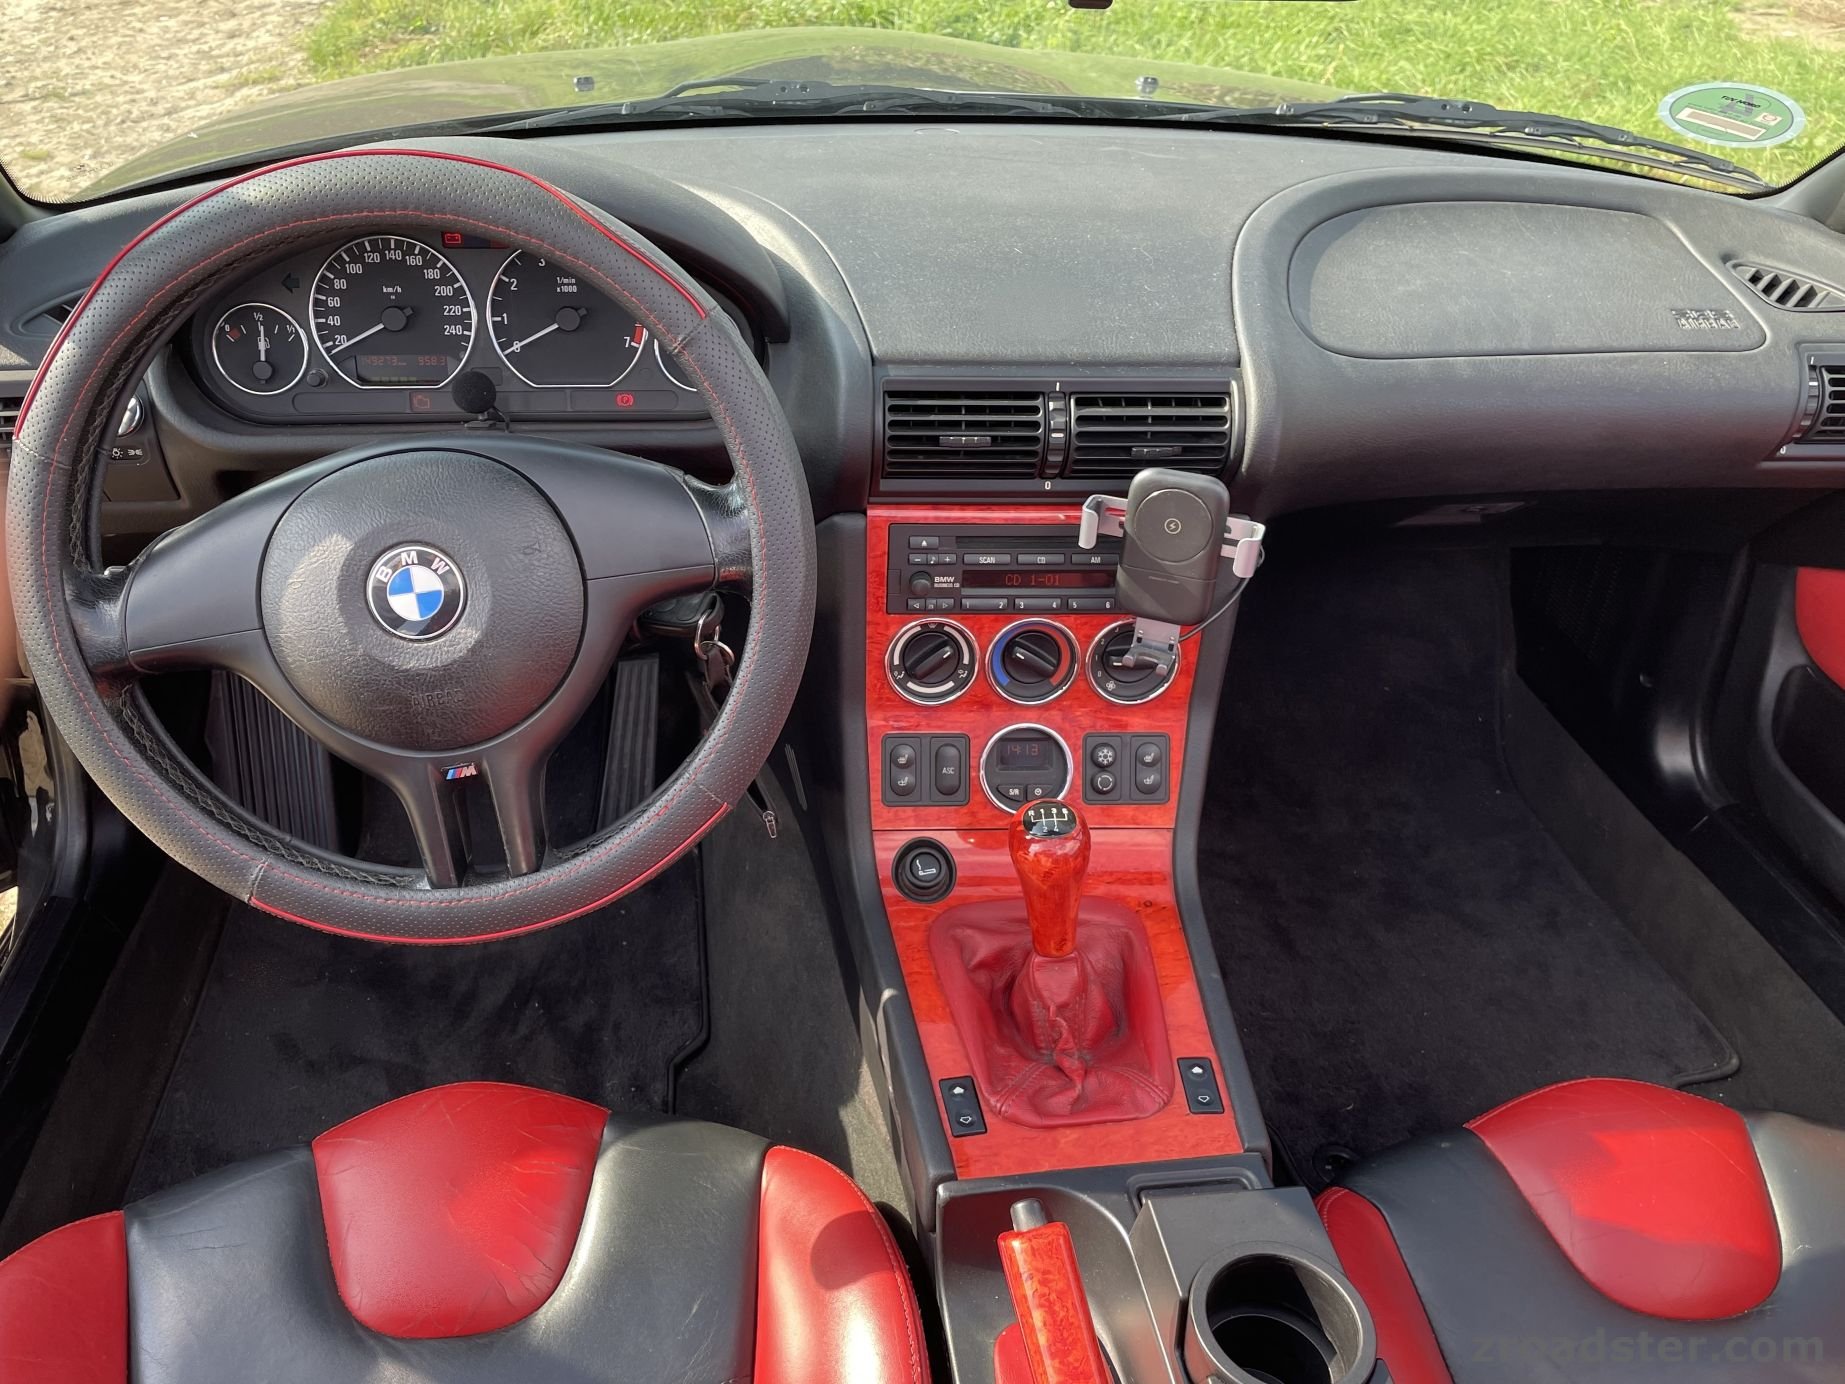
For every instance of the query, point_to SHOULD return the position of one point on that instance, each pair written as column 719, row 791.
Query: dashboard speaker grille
column 1791, row 292
column 963, row 434
column 1114, row 435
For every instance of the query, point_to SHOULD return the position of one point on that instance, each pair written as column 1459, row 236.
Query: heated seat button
column 950, row 772
column 1147, row 755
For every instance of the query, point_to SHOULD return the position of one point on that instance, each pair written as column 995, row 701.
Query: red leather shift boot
column 1079, row 1039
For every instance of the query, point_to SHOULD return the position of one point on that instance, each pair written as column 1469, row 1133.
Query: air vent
column 1828, row 423
column 962, row 434
column 1114, row 435
column 9, row 419
column 46, row 321
column 1790, row 291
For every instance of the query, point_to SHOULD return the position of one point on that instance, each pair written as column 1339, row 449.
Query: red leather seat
column 1603, row 1230
column 470, row 1233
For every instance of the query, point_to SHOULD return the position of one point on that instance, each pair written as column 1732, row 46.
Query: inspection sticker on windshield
column 1734, row 114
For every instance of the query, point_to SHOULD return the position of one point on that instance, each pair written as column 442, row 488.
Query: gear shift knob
column 1049, row 842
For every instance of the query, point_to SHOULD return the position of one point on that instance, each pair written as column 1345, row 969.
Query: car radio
column 997, row 569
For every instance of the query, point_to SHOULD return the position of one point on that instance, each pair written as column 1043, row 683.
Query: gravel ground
column 86, row 85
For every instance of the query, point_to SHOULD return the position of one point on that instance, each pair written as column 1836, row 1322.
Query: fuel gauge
column 260, row 349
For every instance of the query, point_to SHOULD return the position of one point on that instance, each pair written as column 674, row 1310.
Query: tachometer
column 259, row 348
column 664, row 357
column 392, row 313
column 553, row 330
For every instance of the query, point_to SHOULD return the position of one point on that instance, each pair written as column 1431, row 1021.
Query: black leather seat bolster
column 1507, row 1305
column 230, row 1281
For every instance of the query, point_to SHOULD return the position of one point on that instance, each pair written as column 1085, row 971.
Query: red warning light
column 624, row 400
column 451, row 240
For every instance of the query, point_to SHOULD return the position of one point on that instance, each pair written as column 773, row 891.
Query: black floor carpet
column 1404, row 944
column 297, row 1030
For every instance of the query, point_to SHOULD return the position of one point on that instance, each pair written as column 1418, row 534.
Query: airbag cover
column 1441, row 279
column 498, row 663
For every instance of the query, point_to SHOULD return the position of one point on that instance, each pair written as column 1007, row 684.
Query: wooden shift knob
column 1049, row 842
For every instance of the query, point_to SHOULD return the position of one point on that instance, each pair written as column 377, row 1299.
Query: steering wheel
column 429, row 610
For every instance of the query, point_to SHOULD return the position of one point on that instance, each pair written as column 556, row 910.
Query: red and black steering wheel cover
column 142, row 299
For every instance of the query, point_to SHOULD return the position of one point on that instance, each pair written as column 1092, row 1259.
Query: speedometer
column 553, row 330
column 392, row 313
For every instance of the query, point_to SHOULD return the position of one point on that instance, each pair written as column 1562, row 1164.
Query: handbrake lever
column 1177, row 529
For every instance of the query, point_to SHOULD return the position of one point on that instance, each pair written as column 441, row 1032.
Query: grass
column 1608, row 60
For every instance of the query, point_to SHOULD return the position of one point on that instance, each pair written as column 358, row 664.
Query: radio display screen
column 990, row 578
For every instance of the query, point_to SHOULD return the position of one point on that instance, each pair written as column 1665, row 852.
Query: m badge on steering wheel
column 416, row 592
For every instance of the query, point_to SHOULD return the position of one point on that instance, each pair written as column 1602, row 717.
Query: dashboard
column 379, row 326
column 944, row 309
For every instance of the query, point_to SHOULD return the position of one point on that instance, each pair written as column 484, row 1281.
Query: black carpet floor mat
column 1403, row 943
column 297, row 1030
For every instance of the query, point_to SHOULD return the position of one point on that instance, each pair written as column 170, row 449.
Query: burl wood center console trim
column 1131, row 861
column 1132, row 866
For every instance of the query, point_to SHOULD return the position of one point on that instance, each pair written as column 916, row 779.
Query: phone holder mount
column 1177, row 529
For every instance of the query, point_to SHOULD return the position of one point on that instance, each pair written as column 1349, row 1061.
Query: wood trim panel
column 980, row 711
column 1132, row 866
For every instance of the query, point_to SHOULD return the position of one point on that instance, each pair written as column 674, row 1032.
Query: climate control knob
column 1032, row 661
column 931, row 661
column 1113, row 679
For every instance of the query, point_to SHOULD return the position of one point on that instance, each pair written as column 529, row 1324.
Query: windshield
column 98, row 95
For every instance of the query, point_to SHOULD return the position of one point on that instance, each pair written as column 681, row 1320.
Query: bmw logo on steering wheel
column 416, row 592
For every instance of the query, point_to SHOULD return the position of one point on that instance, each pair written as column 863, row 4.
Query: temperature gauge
column 260, row 349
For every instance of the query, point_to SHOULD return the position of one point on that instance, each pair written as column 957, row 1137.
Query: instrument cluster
column 380, row 325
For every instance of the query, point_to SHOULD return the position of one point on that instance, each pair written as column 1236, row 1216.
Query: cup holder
column 1271, row 1314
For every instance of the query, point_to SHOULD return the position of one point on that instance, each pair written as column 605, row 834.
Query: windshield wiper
column 1398, row 111
column 711, row 97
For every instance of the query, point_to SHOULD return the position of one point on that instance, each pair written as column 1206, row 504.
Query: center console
column 994, row 690
column 1078, row 1053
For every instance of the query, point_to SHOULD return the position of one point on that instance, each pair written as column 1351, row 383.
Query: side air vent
column 1828, row 394
column 963, row 434
column 10, row 404
column 1790, row 291
column 1115, row 435
column 45, row 322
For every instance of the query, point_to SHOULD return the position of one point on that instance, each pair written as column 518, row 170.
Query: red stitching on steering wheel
column 266, row 867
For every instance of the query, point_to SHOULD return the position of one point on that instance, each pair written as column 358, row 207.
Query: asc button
column 948, row 771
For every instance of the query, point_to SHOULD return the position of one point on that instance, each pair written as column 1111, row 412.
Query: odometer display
column 390, row 312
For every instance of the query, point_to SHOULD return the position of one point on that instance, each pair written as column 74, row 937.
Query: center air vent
column 963, row 434
column 1115, row 435
column 1790, row 292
